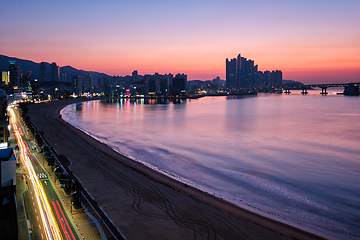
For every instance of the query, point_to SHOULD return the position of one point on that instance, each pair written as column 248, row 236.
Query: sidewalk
column 80, row 216
column 21, row 188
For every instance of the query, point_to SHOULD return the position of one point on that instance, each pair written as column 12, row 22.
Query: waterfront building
column 134, row 77
column 276, row 78
column 260, row 78
column 179, row 84
column 42, row 77
column 157, row 84
column 163, row 85
column 267, row 79
column 216, row 81
column 54, row 72
column 231, row 74
column 88, row 82
column 170, row 77
column 149, row 84
column 242, row 73
column 77, row 85
column 352, row 89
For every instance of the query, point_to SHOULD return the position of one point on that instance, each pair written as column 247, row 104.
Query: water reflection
column 151, row 101
column 276, row 153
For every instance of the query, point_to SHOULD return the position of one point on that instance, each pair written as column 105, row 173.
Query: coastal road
column 48, row 211
column 36, row 225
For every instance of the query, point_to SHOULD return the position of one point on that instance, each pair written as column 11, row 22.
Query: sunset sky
column 309, row 40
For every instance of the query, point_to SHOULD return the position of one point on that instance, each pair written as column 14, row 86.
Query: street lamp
column 71, row 192
column 100, row 226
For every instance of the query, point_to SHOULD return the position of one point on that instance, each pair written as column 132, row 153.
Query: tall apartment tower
column 89, row 82
column 134, row 76
column 241, row 73
column 14, row 72
column 231, row 76
column 42, row 72
column 63, row 77
column 276, row 78
column 179, row 84
column 54, row 72
column 77, row 85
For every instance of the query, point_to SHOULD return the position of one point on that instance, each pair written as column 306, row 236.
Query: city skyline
column 310, row 42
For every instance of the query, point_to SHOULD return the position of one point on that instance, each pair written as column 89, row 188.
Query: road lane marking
column 39, row 226
column 37, row 218
column 35, row 210
column 33, row 203
column 42, row 237
column 65, row 219
column 61, row 222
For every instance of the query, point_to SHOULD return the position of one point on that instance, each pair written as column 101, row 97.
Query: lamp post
column 72, row 203
column 71, row 192
column 100, row 226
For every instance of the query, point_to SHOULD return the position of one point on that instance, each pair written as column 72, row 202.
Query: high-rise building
column 77, row 85
column 267, row 79
column 179, row 84
column 231, row 74
column 14, row 72
column 134, row 77
column 26, row 80
column 88, row 82
column 170, row 78
column 149, row 84
column 54, row 72
column 276, row 78
column 42, row 72
column 63, row 77
column 5, row 78
column 243, row 74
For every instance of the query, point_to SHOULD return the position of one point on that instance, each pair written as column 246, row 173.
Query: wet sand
column 145, row 204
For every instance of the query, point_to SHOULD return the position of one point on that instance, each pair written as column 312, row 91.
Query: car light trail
column 51, row 229
column 62, row 225
column 67, row 224
column 34, row 160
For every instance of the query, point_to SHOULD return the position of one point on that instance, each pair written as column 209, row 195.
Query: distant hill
column 70, row 71
column 27, row 65
column 291, row 83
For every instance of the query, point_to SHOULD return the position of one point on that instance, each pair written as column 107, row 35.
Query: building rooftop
column 7, row 154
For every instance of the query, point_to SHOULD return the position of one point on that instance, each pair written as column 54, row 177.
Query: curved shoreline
column 194, row 193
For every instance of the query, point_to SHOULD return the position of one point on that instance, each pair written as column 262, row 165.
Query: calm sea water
column 290, row 157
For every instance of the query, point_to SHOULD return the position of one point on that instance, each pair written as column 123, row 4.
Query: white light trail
column 51, row 229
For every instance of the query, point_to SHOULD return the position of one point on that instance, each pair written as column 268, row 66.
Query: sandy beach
column 145, row 204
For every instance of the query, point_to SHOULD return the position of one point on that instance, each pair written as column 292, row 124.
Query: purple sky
column 310, row 41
